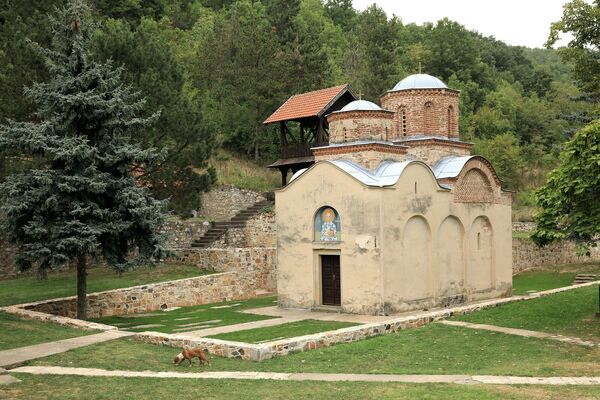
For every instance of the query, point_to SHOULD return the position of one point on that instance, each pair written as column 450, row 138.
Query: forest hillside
column 217, row 68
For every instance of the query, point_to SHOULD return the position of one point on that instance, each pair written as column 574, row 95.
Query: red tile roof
column 308, row 104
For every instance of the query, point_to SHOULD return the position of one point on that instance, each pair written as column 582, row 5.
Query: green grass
column 201, row 317
column 244, row 174
column 62, row 284
column 291, row 329
column 85, row 388
column 521, row 235
column 17, row 332
column 567, row 313
column 551, row 277
column 432, row 349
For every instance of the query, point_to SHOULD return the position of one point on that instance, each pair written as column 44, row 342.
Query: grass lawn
column 432, row 349
column 551, row 277
column 291, row 329
column 83, row 388
column 191, row 318
column 62, row 284
column 17, row 332
column 521, row 234
column 567, row 313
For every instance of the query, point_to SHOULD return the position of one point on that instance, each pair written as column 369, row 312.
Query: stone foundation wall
column 254, row 264
column 205, row 289
column 527, row 255
column 260, row 231
column 223, row 202
column 181, row 232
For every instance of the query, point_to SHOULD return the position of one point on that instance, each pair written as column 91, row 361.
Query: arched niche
column 416, row 242
column 327, row 226
column 481, row 262
column 428, row 112
column 451, row 264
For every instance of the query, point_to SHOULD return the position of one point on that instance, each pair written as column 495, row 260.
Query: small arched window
column 403, row 120
column 450, row 120
column 327, row 225
column 428, row 118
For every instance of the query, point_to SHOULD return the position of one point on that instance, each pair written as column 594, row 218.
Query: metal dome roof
column 420, row 81
column 361, row 105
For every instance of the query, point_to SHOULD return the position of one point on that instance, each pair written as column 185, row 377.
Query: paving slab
column 520, row 332
column 241, row 327
column 252, row 375
column 8, row 380
column 21, row 354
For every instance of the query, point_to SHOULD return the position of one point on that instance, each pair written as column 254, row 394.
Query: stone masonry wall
column 527, row 255
column 181, row 233
column 205, row 289
column 360, row 125
column 223, row 202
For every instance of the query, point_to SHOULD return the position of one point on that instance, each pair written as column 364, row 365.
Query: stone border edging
column 264, row 351
column 57, row 319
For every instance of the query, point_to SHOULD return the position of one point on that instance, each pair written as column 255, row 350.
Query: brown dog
column 188, row 354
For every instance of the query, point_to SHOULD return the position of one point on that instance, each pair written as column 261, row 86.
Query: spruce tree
column 84, row 202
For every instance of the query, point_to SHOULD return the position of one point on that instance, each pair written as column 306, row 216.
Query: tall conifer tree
column 84, row 202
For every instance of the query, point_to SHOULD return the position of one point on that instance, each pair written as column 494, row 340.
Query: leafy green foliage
column 569, row 200
column 504, row 153
column 84, row 201
column 217, row 68
column 582, row 20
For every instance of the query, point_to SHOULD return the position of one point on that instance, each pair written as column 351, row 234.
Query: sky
column 516, row 22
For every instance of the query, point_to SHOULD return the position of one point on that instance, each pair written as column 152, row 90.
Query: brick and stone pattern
column 432, row 150
column 224, row 202
column 351, row 126
column 367, row 155
column 205, row 289
column 426, row 111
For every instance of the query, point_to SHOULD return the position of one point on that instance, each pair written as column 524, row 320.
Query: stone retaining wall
column 223, row 202
column 527, row 255
column 256, row 261
column 204, row 289
column 181, row 232
column 259, row 231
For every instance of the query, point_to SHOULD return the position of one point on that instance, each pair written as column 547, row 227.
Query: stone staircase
column 219, row 229
column 584, row 278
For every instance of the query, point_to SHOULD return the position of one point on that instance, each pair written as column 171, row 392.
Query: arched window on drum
column 327, row 225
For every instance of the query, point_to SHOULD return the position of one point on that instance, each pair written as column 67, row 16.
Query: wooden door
column 330, row 280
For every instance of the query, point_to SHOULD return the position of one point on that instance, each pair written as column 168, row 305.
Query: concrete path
column 21, row 354
column 521, row 332
column 458, row 379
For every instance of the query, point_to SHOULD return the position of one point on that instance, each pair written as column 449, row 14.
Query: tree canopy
column 569, row 200
column 217, row 68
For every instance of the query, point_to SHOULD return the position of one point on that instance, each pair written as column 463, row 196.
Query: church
column 388, row 211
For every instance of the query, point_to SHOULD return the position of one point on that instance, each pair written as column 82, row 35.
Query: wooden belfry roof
column 310, row 104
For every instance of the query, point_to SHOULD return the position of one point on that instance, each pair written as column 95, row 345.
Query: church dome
column 361, row 105
column 420, row 81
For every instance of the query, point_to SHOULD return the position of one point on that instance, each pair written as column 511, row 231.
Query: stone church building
column 393, row 213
